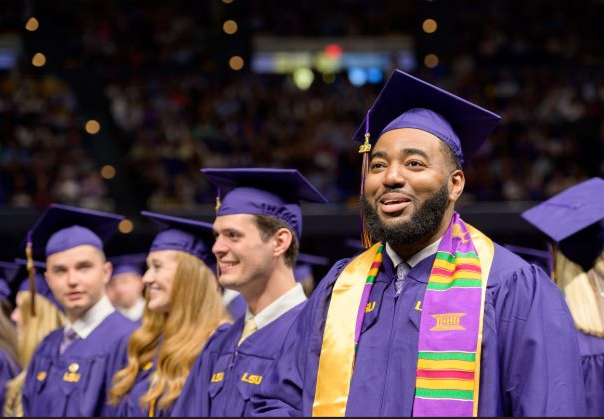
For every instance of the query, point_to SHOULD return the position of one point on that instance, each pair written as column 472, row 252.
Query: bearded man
column 434, row 319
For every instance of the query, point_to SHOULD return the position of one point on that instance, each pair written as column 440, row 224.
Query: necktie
column 69, row 336
column 249, row 328
column 401, row 273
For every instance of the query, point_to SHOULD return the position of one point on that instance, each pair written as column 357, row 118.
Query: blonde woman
column 184, row 309
column 574, row 221
column 31, row 330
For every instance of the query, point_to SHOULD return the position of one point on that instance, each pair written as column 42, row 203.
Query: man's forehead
column 404, row 138
column 75, row 255
column 234, row 222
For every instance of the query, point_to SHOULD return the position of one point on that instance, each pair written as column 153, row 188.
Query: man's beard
column 424, row 223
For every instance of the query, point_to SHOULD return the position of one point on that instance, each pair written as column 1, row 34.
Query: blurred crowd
column 178, row 107
column 43, row 157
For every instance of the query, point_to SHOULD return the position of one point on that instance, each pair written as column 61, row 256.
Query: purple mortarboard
column 8, row 272
column 62, row 227
column 273, row 192
column 190, row 236
column 408, row 102
column 574, row 220
column 133, row 263
column 41, row 286
column 304, row 264
column 541, row 258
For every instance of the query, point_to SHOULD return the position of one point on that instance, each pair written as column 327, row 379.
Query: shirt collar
column 279, row 307
column 415, row 259
column 135, row 313
column 85, row 325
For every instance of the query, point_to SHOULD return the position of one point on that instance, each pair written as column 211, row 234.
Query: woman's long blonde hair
column 583, row 291
column 196, row 311
column 35, row 328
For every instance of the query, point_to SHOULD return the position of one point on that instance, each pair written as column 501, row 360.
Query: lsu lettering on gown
column 77, row 382
column 8, row 371
column 225, row 377
column 530, row 355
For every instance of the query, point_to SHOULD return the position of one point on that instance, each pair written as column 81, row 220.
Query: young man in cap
column 68, row 375
column 574, row 222
column 125, row 289
column 434, row 319
column 257, row 228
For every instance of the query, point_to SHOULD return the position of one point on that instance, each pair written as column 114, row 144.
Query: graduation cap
column 133, row 263
column 574, row 220
column 408, row 102
column 541, row 258
column 184, row 235
column 62, row 228
column 273, row 192
column 8, row 273
column 304, row 264
column 41, row 286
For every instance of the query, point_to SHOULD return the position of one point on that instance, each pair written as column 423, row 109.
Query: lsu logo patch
column 448, row 322
column 72, row 376
column 218, row 377
column 251, row 379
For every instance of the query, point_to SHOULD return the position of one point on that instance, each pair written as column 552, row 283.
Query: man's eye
column 415, row 163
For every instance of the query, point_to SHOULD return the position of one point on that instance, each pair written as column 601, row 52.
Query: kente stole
column 450, row 335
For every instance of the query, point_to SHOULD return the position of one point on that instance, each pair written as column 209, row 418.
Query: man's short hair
column 268, row 226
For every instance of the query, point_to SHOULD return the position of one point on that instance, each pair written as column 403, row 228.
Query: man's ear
column 283, row 239
column 457, row 182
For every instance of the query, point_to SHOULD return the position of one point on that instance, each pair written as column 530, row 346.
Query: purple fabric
column 435, row 124
column 272, row 192
column 190, row 236
column 466, row 128
column 132, row 263
column 72, row 237
column 55, row 397
column 62, row 227
column 570, row 211
column 245, row 369
column 574, row 220
column 253, row 201
column 530, row 356
column 592, row 358
column 8, row 273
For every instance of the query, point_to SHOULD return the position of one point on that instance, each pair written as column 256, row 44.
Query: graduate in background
column 31, row 330
column 258, row 228
column 434, row 319
column 9, row 362
column 125, row 289
column 574, row 222
column 184, row 310
column 68, row 375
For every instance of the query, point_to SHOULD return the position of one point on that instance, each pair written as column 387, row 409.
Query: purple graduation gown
column 8, row 370
column 592, row 357
column 46, row 393
column 226, row 377
column 237, row 307
column 530, row 356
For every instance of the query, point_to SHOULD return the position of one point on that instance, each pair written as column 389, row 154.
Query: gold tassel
column 365, row 149
column 31, row 270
